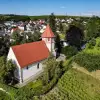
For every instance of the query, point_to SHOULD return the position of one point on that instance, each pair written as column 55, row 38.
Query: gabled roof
column 48, row 33
column 30, row 53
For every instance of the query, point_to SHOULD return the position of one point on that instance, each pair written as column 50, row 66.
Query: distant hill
column 26, row 17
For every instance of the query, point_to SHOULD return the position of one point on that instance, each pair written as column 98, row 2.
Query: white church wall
column 31, row 70
column 12, row 57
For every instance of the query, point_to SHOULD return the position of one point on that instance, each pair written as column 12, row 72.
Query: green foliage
column 4, row 45
column 92, row 28
column 21, row 39
column 39, row 17
column 4, row 96
column 89, row 58
column 77, row 86
column 74, row 85
column 16, row 37
column 61, row 27
column 2, row 67
column 52, row 69
column 89, row 61
column 7, row 70
column 33, row 37
column 91, row 43
column 17, row 18
column 52, row 22
column 74, row 36
column 69, row 51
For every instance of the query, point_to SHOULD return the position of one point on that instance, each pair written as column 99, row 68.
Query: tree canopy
column 92, row 28
column 74, row 36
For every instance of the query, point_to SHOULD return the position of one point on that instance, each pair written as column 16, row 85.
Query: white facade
column 22, row 74
column 49, row 43
column 12, row 57
column 31, row 70
column 21, row 27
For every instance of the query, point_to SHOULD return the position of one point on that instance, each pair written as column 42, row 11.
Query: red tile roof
column 14, row 29
column 48, row 33
column 29, row 53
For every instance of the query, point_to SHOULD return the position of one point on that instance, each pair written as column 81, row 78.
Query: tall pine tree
column 52, row 24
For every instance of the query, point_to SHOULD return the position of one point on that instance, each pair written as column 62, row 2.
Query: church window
column 38, row 66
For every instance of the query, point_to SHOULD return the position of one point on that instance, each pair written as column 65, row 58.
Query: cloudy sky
column 44, row 7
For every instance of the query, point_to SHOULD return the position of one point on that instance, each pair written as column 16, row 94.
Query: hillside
column 75, row 85
column 89, row 58
column 80, row 83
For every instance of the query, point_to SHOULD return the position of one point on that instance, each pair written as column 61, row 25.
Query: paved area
column 62, row 57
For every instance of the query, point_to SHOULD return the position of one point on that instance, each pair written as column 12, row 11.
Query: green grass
column 75, row 85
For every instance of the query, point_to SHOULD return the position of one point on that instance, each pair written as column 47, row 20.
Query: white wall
column 12, row 57
column 31, row 71
column 50, row 44
column 21, row 28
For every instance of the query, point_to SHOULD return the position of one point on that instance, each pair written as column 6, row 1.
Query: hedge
column 89, row 61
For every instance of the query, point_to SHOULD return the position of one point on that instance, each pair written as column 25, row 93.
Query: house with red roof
column 29, row 57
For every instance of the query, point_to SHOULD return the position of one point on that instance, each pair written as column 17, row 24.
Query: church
column 29, row 57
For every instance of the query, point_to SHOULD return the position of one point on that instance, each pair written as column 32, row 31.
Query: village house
column 30, row 56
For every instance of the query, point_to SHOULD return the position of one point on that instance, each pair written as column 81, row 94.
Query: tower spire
column 48, row 37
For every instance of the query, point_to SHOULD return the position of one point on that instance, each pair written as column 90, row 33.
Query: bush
column 98, row 45
column 69, row 51
column 49, row 86
column 4, row 96
column 89, row 61
column 91, row 44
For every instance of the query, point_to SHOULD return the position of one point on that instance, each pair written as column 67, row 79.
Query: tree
column 69, row 51
column 9, row 72
column 33, row 37
column 2, row 67
column 2, row 19
column 52, row 69
column 4, row 45
column 74, row 36
column 92, row 28
column 52, row 24
column 61, row 27
column 16, row 37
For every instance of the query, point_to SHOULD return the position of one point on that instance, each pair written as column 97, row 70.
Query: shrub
column 89, row 61
column 91, row 44
column 4, row 96
column 98, row 44
column 69, row 51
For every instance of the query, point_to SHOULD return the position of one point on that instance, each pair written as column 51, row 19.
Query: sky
column 46, row 7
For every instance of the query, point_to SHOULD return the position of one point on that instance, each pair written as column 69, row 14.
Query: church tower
column 48, row 37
